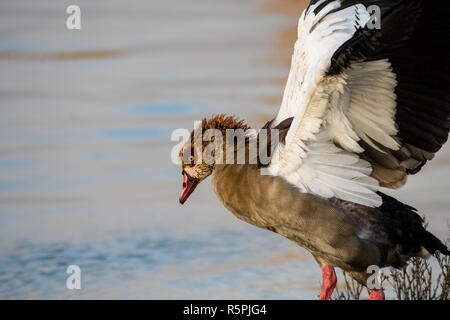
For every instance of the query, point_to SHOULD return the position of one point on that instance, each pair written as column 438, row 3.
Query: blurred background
column 85, row 171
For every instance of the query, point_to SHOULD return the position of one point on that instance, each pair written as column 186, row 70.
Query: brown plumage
column 223, row 122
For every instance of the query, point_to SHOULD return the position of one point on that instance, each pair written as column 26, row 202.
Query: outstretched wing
column 369, row 105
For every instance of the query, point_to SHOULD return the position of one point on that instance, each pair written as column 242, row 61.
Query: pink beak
column 189, row 186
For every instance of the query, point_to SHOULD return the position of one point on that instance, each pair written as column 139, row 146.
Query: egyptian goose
column 363, row 108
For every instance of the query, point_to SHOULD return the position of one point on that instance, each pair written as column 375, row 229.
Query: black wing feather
column 414, row 36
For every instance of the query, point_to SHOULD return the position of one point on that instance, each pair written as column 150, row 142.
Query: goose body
column 363, row 108
column 336, row 232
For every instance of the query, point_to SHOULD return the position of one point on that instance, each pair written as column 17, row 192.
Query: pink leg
column 329, row 282
column 376, row 295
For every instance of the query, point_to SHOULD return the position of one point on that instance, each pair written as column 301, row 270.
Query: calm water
column 85, row 170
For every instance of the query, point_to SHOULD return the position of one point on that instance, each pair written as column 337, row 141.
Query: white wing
column 333, row 108
column 369, row 106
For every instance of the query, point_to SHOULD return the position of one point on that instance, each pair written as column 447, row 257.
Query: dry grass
column 415, row 282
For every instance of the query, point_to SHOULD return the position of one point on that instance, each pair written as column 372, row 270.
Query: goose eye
column 191, row 158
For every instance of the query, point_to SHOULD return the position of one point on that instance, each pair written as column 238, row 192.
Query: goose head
column 193, row 168
column 206, row 145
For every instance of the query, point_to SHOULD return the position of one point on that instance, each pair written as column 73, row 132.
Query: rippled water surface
column 85, row 171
